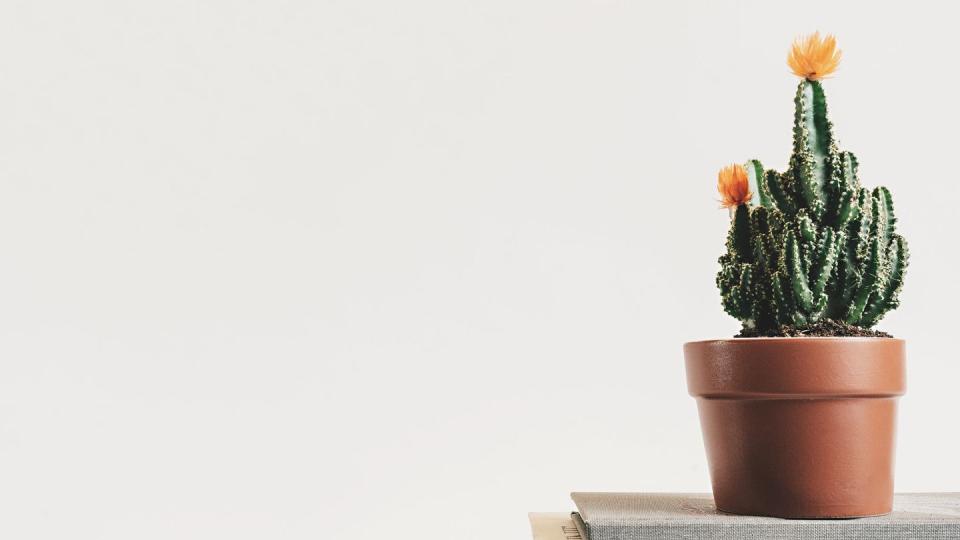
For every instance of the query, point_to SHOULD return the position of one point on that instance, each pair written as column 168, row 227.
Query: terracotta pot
column 799, row 427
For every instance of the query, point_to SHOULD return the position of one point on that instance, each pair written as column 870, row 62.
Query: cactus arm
column 875, row 269
column 731, row 302
column 819, row 129
column 847, row 210
column 849, row 179
column 739, row 239
column 737, row 301
column 845, row 280
column 758, row 184
column 823, row 269
column 746, row 298
column 886, row 200
column 902, row 253
column 762, row 221
column 826, row 258
column 784, row 314
column 880, row 230
column 880, row 226
column 819, row 306
column 727, row 282
column 760, row 227
column 855, row 251
column 806, row 239
column 734, row 278
column 892, row 259
column 862, row 224
column 807, row 231
column 888, row 298
column 868, row 285
column 782, row 200
column 797, row 276
column 814, row 151
column 841, row 186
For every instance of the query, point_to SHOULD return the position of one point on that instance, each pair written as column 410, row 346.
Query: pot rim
column 794, row 338
column 791, row 368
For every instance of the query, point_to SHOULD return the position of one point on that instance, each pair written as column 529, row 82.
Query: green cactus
column 812, row 244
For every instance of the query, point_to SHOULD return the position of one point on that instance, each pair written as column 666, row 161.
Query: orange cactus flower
column 734, row 186
column 814, row 58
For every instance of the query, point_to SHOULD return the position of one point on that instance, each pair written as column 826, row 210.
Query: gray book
column 673, row 516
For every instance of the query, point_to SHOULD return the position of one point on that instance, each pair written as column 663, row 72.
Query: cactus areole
column 809, row 244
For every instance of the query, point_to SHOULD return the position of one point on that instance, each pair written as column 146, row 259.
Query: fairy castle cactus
column 810, row 243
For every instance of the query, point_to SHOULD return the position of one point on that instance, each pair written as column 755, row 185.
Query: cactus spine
column 812, row 243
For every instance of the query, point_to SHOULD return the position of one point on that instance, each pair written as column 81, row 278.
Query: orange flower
column 813, row 58
column 734, row 186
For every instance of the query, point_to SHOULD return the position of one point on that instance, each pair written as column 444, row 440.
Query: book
column 554, row 526
column 675, row 516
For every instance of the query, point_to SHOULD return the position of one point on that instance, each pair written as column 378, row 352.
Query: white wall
column 385, row 269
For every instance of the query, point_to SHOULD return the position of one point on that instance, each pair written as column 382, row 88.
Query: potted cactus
column 798, row 412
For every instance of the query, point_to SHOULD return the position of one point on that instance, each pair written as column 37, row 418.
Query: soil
column 824, row 328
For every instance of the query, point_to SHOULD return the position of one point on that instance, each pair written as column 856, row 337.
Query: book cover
column 639, row 516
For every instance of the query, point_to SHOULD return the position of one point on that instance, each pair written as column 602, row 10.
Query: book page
column 553, row 526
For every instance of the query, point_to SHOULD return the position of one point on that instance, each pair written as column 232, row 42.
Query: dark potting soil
column 824, row 328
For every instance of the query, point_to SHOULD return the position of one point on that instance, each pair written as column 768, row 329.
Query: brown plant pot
column 799, row 427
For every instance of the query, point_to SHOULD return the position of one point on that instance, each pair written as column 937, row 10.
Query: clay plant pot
column 799, row 427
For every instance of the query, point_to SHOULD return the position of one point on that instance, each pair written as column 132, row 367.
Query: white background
column 381, row 269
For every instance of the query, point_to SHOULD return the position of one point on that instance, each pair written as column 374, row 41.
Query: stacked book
column 643, row 516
